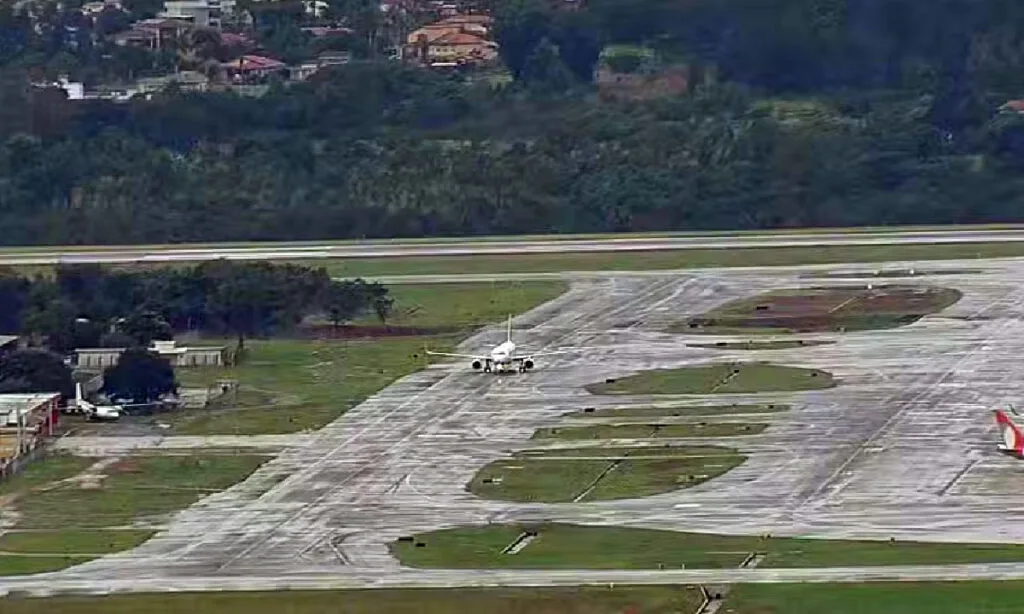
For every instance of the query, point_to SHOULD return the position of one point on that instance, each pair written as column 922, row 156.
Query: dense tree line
column 90, row 306
column 823, row 112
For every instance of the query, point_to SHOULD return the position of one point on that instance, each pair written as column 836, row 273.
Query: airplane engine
column 527, row 364
column 477, row 365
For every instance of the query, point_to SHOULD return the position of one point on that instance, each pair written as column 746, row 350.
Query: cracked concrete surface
column 904, row 447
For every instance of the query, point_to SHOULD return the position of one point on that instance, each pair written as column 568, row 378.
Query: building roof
column 7, row 340
column 460, row 38
column 248, row 63
column 157, row 23
column 24, row 401
column 1015, row 105
column 457, row 19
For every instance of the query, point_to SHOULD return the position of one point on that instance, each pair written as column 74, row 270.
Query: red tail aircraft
column 1013, row 437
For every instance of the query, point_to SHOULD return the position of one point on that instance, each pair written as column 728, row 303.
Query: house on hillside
column 460, row 39
column 153, row 33
column 253, row 68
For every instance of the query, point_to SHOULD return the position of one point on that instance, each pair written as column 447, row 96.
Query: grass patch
column 664, row 260
column 600, row 474
column 848, row 308
column 63, row 522
column 49, row 469
column 560, row 546
column 877, row 598
column 135, row 489
column 775, row 344
column 613, row 452
column 305, row 384
column 666, row 412
column 718, row 378
column 534, row 600
column 649, row 431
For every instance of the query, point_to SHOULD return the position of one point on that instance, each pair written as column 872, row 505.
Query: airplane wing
column 526, row 355
column 472, row 356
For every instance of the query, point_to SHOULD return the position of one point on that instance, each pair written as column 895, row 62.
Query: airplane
column 501, row 357
column 96, row 412
column 1013, row 437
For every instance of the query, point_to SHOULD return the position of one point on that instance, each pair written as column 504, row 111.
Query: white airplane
column 503, row 356
column 96, row 412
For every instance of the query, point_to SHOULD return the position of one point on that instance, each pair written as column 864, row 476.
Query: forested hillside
column 797, row 113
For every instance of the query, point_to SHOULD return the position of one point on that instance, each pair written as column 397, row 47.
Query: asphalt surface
column 378, row 249
column 904, row 448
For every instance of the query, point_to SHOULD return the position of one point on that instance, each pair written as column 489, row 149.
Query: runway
column 904, row 447
column 427, row 248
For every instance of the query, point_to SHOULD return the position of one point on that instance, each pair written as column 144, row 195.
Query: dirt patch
column 826, row 309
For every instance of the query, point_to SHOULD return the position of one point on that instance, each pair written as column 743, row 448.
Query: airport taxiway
column 903, row 448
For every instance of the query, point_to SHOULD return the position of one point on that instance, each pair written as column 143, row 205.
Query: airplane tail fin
column 508, row 335
column 1013, row 438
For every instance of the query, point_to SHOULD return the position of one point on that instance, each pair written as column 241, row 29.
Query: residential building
column 92, row 9
column 203, row 13
column 153, row 33
column 186, row 81
column 252, row 68
column 458, row 39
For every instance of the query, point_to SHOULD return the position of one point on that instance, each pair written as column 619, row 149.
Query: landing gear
column 487, row 366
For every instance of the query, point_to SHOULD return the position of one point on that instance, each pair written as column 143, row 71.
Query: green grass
column 775, row 344
column 844, row 308
column 586, row 476
column 648, row 431
column 63, row 521
column 305, row 384
column 590, row 547
column 663, row 260
column 465, row 307
column 29, row 552
column 569, row 600
column 44, row 471
column 689, row 410
column 718, row 378
column 137, row 488
column 617, row 452
column 877, row 598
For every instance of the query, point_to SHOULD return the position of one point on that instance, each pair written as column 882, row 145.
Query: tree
column 544, row 70
column 14, row 291
column 35, row 370
column 519, row 26
column 143, row 327
column 140, row 376
column 579, row 43
column 344, row 300
column 380, row 301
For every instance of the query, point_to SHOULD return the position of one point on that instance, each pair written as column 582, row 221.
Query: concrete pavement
column 398, row 248
column 904, row 448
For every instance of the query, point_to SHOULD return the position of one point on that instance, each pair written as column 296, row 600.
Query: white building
column 203, row 13
column 202, row 356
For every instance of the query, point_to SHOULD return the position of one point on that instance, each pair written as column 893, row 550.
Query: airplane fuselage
column 503, row 355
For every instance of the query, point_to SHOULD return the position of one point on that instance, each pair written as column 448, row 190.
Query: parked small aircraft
column 96, row 412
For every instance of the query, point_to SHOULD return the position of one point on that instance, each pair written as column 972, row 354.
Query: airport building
column 178, row 356
column 25, row 421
